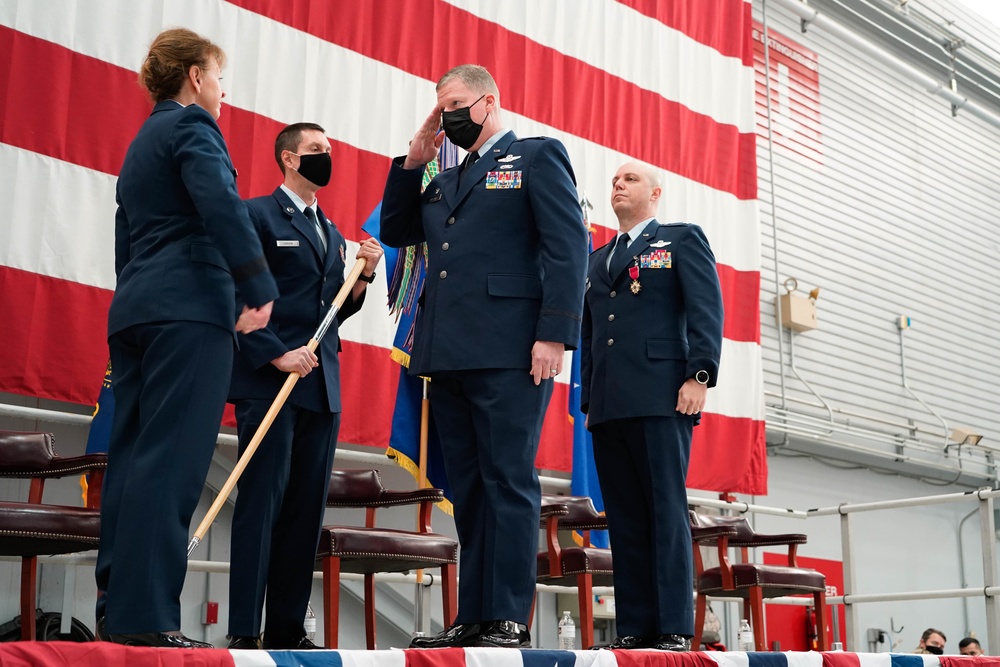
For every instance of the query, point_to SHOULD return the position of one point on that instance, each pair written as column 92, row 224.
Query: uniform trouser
column 642, row 467
column 170, row 381
column 489, row 422
column 278, row 518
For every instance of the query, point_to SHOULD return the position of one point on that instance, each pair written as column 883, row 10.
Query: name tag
column 503, row 180
column 288, row 244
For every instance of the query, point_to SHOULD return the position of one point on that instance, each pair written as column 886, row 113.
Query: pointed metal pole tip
column 192, row 545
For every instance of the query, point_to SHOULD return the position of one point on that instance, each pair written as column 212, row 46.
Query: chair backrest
column 354, row 488
column 363, row 488
column 25, row 454
column 33, row 456
column 580, row 512
column 743, row 531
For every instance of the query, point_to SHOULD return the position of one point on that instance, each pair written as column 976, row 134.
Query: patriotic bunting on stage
column 103, row 653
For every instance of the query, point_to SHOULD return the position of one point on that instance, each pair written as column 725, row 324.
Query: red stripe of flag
column 728, row 454
column 59, row 351
column 713, row 24
column 107, row 107
column 56, row 344
column 427, row 37
column 96, row 134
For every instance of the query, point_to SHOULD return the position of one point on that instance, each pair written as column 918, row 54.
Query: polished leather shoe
column 244, row 643
column 504, row 634
column 290, row 644
column 157, row 639
column 460, row 634
column 672, row 643
column 627, row 642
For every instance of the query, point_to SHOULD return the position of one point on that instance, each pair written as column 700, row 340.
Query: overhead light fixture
column 964, row 436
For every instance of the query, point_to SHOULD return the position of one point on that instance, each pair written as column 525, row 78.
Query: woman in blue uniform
column 184, row 249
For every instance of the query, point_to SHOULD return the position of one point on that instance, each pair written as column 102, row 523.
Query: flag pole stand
column 272, row 412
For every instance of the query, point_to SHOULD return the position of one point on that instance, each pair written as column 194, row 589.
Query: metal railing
column 852, row 597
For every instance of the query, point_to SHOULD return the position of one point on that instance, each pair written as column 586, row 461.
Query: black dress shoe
column 505, row 634
column 302, row 643
column 673, row 643
column 627, row 642
column 244, row 643
column 460, row 634
column 157, row 639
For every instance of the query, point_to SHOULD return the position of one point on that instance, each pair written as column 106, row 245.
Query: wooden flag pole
column 272, row 412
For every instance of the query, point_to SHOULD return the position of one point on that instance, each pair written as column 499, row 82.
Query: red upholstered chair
column 367, row 549
column 754, row 582
column 31, row 529
column 582, row 566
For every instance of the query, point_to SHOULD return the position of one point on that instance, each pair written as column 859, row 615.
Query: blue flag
column 100, row 424
column 584, row 481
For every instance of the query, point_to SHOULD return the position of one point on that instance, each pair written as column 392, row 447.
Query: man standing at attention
column 652, row 336
column 507, row 255
column 282, row 494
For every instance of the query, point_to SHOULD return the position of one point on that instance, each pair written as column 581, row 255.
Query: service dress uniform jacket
column 506, row 249
column 183, row 243
column 282, row 493
column 646, row 330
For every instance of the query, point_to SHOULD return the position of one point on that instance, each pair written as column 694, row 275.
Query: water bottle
column 309, row 624
column 745, row 639
column 567, row 632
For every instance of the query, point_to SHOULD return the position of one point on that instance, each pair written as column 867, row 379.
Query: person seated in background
column 932, row 641
column 970, row 646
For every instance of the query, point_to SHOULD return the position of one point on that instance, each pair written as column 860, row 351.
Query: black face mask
column 936, row 650
column 315, row 167
column 459, row 127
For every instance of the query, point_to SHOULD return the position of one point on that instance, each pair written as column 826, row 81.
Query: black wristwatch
column 369, row 279
column 701, row 377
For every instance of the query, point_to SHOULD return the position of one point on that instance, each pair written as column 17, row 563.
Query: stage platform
column 101, row 654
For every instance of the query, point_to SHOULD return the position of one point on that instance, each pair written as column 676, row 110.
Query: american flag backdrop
column 670, row 82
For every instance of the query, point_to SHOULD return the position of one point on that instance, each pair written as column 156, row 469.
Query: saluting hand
column 426, row 142
column 300, row 360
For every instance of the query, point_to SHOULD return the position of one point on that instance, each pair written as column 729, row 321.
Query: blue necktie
column 620, row 256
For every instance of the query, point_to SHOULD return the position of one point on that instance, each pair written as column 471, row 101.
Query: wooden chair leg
column 449, row 592
column 756, row 599
column 585, row 588
column 331, row 600
column 699, row 621
column 820, row 600
column 29, row 581
column 370, row 610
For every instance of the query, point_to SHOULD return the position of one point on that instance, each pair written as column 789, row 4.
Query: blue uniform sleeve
column 401, row 223
column 702, row 294
column 563, row 244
